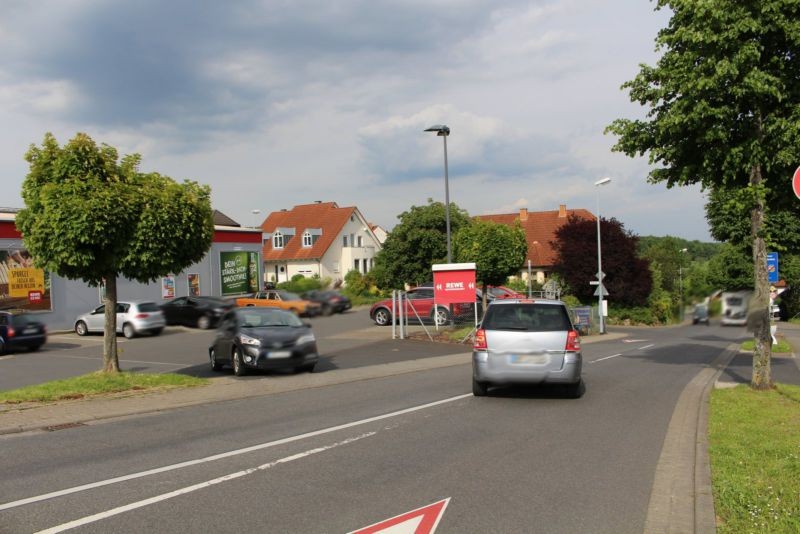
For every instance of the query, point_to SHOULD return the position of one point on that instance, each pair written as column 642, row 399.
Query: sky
column 275, row 103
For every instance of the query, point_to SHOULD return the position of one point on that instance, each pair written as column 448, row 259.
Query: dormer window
column 277, row 240
column 307, row 240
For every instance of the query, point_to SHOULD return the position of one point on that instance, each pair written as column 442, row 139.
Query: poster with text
column 238, row 272
column 168, row 287
column 23, row 286
column 194, row 284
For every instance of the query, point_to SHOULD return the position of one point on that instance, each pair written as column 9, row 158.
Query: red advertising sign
column 34, row 296
column 454, row 283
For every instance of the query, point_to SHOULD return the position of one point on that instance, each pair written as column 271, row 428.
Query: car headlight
column 247, row 340
column 308, row 338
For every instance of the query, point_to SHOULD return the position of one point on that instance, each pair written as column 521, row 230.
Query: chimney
column 562, row 211
column 523, row 214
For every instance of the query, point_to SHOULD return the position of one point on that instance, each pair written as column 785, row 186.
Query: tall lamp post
column 255, row 213
column 443, row 131
column 680, row 280
column 597, row 184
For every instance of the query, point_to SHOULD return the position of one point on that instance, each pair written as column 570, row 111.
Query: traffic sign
column 420, row 521
column 601, row 291
column 772, row 267
column 796, row 182
column 600, row 275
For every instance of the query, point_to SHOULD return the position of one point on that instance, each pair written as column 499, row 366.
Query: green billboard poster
column 238, row 272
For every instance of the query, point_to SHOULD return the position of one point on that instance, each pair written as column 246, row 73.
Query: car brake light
column 11, row 332
column 142, row 315
column 573, row 341
column 480, row 340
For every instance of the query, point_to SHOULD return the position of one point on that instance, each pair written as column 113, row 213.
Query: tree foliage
column 628, row 277
column 731, row 269
column 416, row 243
column 724, row 111
column 89, row 215
column 497, row 250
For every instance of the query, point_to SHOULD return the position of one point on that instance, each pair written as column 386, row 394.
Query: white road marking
column 9, row 357
column 220, row 456
column 606, row 358
column 189, row 489
column 100, row 358
column 647, row 346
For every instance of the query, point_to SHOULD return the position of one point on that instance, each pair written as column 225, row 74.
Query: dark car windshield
column 23, row 320
column 259, row 317
column 148, row 307
column 528, row 317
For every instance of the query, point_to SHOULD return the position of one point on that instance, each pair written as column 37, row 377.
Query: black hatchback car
column 330, row 301
column 263, row 338
column 21, row 331
column 202, row 312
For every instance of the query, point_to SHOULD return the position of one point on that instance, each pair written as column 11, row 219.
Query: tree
column 724, row 112
column 91, row 216
column 497, row 250
column 416, row 243
column 731, row 269
column 628, row 277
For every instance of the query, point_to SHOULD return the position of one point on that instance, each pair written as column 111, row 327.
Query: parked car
column 285, row 300
column 420, row 303
column 202, row 312
column 263, row 338
column 329, row 301
column 503, row 292
column 21, row 330
column 526, row 342
column 133, row 318
column 700, row 314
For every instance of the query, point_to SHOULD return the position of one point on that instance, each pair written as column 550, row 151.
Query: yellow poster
column 21, row 281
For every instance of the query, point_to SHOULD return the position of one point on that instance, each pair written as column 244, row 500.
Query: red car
column 420, row 303
column 503, row 292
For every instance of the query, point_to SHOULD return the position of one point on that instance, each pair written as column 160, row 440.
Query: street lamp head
column 602, row 181
column 255, row 212
column 684, row 250
column 440, row 129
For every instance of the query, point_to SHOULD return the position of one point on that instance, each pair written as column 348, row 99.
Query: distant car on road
column 202, row 312
column 329, row 301
column 133, row 318
column 527, row 342
column 419, row 302
column 263, row 338
column 700, row 314
column 285, row 300
column 21, row 330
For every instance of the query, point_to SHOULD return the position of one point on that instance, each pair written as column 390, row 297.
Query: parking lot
column 344, row 340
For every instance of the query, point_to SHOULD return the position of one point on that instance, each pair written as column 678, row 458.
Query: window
column 352, row 240
column 344, row 241
column 307, row 239
column 336, row 266
column 355, row 265
column 277, row 240
column 360, row 241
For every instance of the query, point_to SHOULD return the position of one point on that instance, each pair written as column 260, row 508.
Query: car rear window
column 148, row 307
column 23, row 320
column 527, row 317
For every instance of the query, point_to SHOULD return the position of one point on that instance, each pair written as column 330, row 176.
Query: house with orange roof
column 540, row 230
column 317, row 239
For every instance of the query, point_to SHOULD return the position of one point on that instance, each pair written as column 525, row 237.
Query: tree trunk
column 110, row 357
column 758, row 316
column 484, row 303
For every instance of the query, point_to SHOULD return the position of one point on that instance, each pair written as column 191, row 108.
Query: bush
column 571, row 301
column 301, row 284
column 637, row 315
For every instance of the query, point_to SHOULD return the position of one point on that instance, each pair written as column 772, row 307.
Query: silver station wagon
column 527, row 342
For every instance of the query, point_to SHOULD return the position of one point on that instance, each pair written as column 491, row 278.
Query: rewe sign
column 453, row 283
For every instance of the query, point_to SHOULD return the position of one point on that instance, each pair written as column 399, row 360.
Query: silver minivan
column 527, row 342
column 133, row 318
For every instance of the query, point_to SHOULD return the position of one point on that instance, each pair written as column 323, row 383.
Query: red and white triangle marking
column 420, row 521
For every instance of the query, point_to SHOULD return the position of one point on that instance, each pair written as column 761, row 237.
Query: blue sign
column 772, row 267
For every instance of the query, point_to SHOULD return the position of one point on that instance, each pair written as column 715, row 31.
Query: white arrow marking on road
column 420, row 521
column 633, row 340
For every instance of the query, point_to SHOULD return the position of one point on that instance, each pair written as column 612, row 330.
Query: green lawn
column 782, row 346
column 95, row 384
column 754, row 444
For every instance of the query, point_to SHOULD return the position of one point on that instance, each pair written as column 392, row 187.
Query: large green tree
column 497, row 250
column 89, row 215
column 724, row 111
column 416, row 243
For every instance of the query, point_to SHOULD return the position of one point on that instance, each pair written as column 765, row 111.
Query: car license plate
column 31, row 330
column 528, row 358
column 279, row 354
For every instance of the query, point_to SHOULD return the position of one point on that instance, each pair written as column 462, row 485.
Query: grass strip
column 754, row 445
column 782, row 346
column 96, row 384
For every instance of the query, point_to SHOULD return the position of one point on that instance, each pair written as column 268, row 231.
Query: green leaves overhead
column 497, row 250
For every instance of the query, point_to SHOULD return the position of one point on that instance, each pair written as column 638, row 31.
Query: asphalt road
column 338, row 458
column 344, row 340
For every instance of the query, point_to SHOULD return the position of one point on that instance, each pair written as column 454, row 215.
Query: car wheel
column 204, row 322
column 294, row 311
column 2, row 347
column 383, row 317
column 327, row 310
column 34, row 348
column 80, row 328
column 576, row 390
column 306, row 368
column 479, row 389
column 250, row 305
column 156, row 331
column 440, row 316
column 215, row 365
column 128, row 331
column 238, row 363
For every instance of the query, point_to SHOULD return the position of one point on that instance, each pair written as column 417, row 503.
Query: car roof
column 506, row 302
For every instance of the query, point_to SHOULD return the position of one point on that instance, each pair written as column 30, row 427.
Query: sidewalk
column 785, row 367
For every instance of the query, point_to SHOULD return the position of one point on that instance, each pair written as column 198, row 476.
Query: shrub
column 637, row 315
column 301, row 284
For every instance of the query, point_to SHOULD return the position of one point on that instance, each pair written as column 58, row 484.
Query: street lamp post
column 443, row 131
column 255, row 213
column 680, row 281
column 600, row 276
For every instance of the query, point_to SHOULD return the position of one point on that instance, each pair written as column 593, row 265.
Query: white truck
column 734, row 307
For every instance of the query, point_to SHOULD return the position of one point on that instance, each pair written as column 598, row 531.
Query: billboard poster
column 23, row 286
column 238, row 272
column 193, row 280
column 168, row 287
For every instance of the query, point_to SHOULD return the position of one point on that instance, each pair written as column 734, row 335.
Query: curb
column 681, row 499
